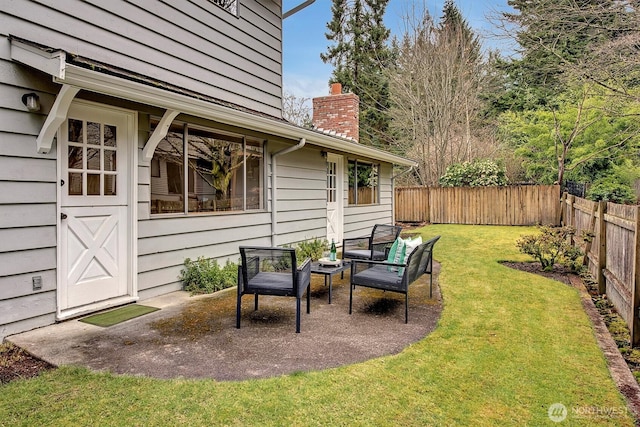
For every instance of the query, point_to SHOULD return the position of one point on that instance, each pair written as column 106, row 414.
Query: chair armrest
column 240, row 280
column 304, row 264
column 303, row 276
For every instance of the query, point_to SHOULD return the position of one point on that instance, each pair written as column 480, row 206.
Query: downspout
column 274, row 193
column 393, row 189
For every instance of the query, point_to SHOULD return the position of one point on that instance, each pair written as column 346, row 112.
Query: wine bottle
column 332, row 253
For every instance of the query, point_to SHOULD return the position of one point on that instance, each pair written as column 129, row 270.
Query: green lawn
column 509, row 344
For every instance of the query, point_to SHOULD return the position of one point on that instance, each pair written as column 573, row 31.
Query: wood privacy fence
column 612, row 254
column 509, row 205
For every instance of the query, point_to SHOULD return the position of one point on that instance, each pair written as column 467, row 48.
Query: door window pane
column 110, row 185
column 93, row 159
column 109, row 160
column 75, row 158
column 75, row 184
column 93, row 184
column 75, row 131
column 109, row 136
column 93, row 133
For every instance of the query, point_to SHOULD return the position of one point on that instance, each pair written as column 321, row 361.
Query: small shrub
column 205, row 276
column 313, row 249
column 551, row 246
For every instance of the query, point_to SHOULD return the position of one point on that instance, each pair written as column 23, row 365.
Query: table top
column 316, row 267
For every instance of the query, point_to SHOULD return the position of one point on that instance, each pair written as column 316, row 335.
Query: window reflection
column 223, row 172
column 363, row 183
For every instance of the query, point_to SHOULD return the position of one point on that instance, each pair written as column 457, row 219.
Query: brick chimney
column 338, row 112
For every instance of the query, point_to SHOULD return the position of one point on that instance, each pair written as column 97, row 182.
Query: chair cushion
column 271, row 283
column 378, row 277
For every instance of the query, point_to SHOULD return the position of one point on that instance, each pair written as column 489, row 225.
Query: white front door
column 95, row 240
column 335, row 198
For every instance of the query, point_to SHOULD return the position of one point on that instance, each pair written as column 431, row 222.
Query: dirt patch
column 15, row 363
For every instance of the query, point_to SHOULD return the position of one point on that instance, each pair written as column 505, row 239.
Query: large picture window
column 363, row 183
column 205, row 170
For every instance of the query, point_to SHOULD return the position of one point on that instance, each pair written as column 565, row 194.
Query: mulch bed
column 15, row 363
column 559, row 273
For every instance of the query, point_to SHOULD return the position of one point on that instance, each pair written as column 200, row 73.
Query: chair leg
column 350, row 296
column 406, row 307
column 255, row 307
column 430, row 285
column 297, row 315
column 238, row 310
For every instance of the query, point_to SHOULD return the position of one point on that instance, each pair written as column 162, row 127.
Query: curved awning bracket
column 158, row 135
column 56, row 116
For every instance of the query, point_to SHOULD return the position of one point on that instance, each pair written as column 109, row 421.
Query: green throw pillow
column 396, row 253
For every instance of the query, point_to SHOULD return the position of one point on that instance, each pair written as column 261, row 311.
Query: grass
column 509, row 345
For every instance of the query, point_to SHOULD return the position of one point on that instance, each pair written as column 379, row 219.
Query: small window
column 230, row 6
column 363, row 183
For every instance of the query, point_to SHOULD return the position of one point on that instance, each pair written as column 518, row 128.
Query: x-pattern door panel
column 94, row 254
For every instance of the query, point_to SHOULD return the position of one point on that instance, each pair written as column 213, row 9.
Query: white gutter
column 297, row 9
column 119, row 87
column 274, row 187
column 127, row 89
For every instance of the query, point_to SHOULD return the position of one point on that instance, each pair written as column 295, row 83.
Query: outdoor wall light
column 32, row 101
column 323, row 154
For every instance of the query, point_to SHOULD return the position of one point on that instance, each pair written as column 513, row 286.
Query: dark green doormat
column 112, row 317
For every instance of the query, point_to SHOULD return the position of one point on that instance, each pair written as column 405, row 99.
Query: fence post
column 561, row 214
column 571, row 217
column 601, row 230
column 635, row 300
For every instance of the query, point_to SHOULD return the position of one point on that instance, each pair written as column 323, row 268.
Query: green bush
column 479, row 173
column 313, row 249
column 552, row 246
column 205, row 276
column 611, row 190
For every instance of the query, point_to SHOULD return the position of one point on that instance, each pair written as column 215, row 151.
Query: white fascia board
column 156, row 96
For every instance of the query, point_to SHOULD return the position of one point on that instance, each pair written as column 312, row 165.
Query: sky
column 304, row 73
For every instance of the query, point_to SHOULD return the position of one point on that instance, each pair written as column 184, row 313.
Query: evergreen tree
column 557, row 40
column 359, row 54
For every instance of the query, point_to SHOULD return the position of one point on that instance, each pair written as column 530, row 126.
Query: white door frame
column 131, row 221
column 339, row 204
